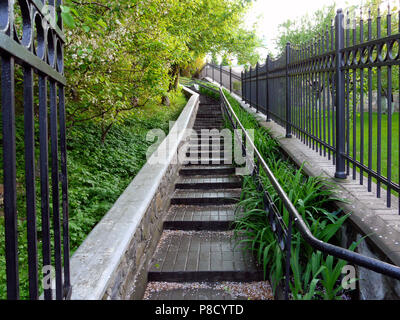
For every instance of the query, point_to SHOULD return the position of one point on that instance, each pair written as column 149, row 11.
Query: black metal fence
column 339, row 94
column 283, row 228
column 225, row 76
column 32, row 41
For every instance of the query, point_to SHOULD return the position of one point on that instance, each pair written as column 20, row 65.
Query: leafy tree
column 121, row 55
column 304, row 29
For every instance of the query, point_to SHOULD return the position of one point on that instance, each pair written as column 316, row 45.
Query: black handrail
column 338, row 252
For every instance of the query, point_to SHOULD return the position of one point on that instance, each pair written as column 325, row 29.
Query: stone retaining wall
column 112, row 262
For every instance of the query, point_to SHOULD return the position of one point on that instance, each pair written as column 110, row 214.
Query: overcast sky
column 272, row 13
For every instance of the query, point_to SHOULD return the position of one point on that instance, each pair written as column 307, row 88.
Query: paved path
column 197, row 257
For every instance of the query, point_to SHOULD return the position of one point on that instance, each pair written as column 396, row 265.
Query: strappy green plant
column 313, row 276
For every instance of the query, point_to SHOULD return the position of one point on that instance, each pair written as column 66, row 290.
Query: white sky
column 272, row 13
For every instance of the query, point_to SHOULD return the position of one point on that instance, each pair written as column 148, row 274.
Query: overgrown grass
column 98, row 174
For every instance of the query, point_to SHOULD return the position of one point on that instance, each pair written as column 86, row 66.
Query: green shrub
column 98, row 174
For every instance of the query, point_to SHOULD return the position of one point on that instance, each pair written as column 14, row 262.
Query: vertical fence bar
column 55, row 189
column 242, row 82
column 354, row 104
column 244, row 85
column 379, row 126
column 389, row 118
column 370, row 114
column 313, row 112
column 361, row 106
column 230, row 79
column 267, row 95
column 29, row 125
column 333, row 88
column 288, row 102
column 340, row 112
column 220, row 75
column 250, row 80
column 44, row 177
column 324, row 51
column 64, row 186
column 347, row 74
column 328, row 94
column 257, row 102
column 319, row 101
column 9, row 167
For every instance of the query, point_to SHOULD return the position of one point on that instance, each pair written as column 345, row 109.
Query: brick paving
column 198, row 244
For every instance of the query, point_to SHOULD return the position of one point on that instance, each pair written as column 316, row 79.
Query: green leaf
column 68, row 19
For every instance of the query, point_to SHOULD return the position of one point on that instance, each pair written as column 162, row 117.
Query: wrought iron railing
column 339, row 94
column 225, row 77
column 32, row 37
column 282, row 230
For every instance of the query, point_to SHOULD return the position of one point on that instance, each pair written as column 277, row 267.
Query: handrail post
column 288, row 102
column 267, row 90
column 230, row 79
column 340, row 109
column 257, row 66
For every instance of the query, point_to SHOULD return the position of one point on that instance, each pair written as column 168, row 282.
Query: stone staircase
column 197, row 256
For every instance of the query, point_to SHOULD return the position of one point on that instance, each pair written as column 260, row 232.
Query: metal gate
column 31, row 36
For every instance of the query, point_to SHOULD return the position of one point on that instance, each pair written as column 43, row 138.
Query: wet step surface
column 198, row 257
column 206, row 197
column 195, row 170
column 198, row 213
column 207, row 182
column 202, row 256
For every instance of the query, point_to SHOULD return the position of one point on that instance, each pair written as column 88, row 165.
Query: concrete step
column 209, row 139
column 199, row 140
column 208, row 125
column 207, row 183
column 205, row 197
column 208, row 114
column 207, row 100
column 208, row 119
column 206, row 147
column 211, row 218
column 208, row 161
column 200, row 154
column 193, row 170
column 202, row 256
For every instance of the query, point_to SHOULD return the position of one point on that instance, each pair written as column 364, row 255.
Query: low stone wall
column 112, row 262
column 370, row 218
